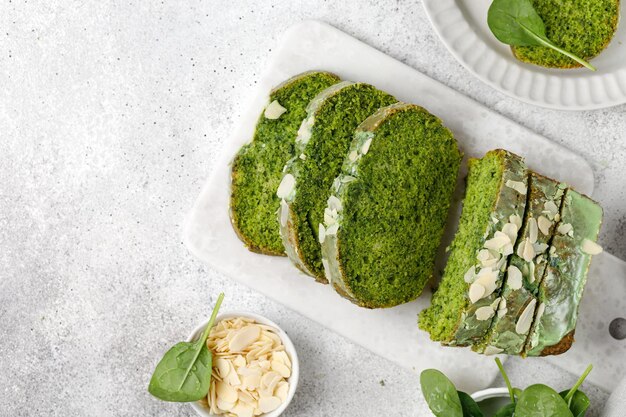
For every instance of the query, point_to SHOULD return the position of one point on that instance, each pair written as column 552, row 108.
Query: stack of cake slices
column 355, row 188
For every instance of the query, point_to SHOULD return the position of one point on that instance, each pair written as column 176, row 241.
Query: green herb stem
column 203, row 339
column 570, row 394
column 506, row 379
column 549, row 44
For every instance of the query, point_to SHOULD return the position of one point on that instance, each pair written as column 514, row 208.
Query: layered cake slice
column 463, row 307
column 321, row 146
column 561, row 289
column 526, row 267
column 257, row 167
column 385, row 216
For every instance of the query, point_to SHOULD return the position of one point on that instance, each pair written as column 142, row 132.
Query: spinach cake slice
column 515, row 313
column 561, row 289
column 385, row 217
column 321, row 146
column 257, row 167
column 465, row 303
column 582, row 27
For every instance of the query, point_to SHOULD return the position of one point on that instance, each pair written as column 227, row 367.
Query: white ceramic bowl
column 490, row 400
column 289, row 348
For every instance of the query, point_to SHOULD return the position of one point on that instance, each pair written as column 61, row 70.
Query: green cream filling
column 257, row 168
column 450, row 300
column 395, row 198
column 582, row 27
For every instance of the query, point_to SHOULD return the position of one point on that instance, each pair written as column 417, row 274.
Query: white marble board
column 391, row 333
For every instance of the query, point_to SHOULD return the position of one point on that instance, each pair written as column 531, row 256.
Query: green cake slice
column 518, row 302
column 562, row 287
column 257, row 167
column 582, row 27
column 385, row 217
column 463, row 307
column 321, row 146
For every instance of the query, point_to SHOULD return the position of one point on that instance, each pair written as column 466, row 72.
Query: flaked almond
column 544, row 225
column 332, row 230
column 366, row 146
column 510, row 229
column 321, row 233
column 516, row 219
column 281, row 368
column 533, row 230
column 550, row 209
column 286, row 187
column 498, row 241
column 487, row 277
column 540, row 310
column 267, row 404
column 282, row 390
column 225, row 393
column 334, row 203
column 526, row 319
column 518, row 186
column 476, row 292
column 590, row 247
column 274, row 110
column 514, row 278
column 525, row 250
column 353, row 156
column 492, row 350
column 243, row 410
column 564, row 228
column 484, row 313
column 244, row 337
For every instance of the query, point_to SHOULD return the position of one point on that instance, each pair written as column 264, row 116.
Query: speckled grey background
column 111, row 117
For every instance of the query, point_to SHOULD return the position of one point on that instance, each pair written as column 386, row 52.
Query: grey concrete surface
column 111, row 117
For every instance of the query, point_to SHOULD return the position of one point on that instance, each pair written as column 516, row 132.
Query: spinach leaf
column 469, row 406
column 579, row 403
column 440, row 394
column 506, row 411
column 184, row 373
column 516, row 22
column 572, row 391
column 540, row 400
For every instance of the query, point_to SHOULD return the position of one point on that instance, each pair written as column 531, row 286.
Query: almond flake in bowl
column 254, row 368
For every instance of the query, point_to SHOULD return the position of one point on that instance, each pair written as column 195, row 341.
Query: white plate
column 462, row 26
column 391, row 333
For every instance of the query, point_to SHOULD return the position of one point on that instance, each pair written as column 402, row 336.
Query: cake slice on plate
column 385, row 216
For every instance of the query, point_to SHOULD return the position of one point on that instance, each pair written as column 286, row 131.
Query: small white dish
column 462, row 27
column 491, row 400
column 289, row 348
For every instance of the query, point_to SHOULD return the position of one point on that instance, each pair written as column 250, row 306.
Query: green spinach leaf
column 506, row 411
column 540, row 400
column 184, row 373
column 516, row 22
column 440, row 394
column 469, row 406
column 579, row 403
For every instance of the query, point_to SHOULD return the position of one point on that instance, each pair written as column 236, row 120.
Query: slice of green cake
column 257, row 167
column 582, row 27
column 562, row 287
column 518, row 302
column 385, row 217
column 321, row 146
column 463, row 307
